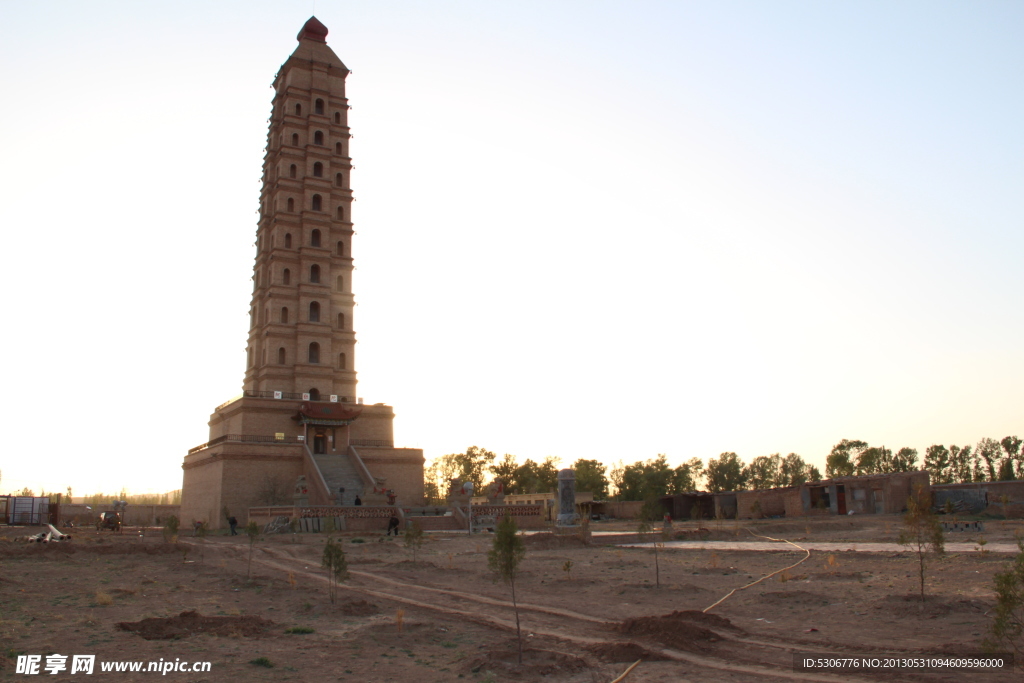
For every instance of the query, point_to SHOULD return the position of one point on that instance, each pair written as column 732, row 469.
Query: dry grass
column 104, row 599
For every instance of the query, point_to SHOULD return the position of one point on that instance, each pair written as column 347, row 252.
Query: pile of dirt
column 794, row 597
column 550, row 541
column 505, row 663
column 623, row 652
column 686, row 630
column 191, row 623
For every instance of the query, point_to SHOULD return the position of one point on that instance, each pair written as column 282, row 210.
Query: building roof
column 331, row 414
column 313, row 30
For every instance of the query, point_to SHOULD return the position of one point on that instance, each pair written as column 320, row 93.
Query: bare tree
column 504, row 560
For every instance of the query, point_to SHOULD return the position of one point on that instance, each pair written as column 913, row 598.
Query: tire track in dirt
column 549, row 630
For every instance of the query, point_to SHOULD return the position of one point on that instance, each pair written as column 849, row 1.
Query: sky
column 592, row 229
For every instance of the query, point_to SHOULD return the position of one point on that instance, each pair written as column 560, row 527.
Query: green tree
column 414, row 539
column 905, row 460
column 686, row 477
column 505, row 469
column 839, row 462
column 645, row 479
column 793, row 471
column 547, row 475
column 960, row 464
column 252, row 530
column 763, row 472
column 874, row 460
column 1011, row 445
column 989, row 452
column 1007, row 630
column 504, row 559
column 938, row 464
column 590, row 476
column 334, row 562
column 170, row 530
column 725, row 473
column 922, row 532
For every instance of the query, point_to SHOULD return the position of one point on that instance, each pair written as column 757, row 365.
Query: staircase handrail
column 368, row 479
column 318, row 481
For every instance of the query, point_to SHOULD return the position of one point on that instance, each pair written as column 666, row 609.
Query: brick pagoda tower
column 298, row 413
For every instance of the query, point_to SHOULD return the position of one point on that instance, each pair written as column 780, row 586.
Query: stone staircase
column 339, row 471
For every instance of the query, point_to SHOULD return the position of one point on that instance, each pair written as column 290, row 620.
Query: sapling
column 1007, row 630
column 413, row 539
column 504, row 559
column 645, row 527
column 252, row 530
column 567, row 568
column 337, row 568
column 922, row 532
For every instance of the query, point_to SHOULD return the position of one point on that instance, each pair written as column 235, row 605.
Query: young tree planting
column 414, row 539
column 1007, row 630
column 646, row 527
column 504, row 559
column 337, row 567
column 252, row 530
column 922, row 532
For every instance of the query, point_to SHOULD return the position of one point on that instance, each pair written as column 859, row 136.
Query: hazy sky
column 584, row 229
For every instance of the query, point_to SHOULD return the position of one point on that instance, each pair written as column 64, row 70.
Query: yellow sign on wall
column 279, row 436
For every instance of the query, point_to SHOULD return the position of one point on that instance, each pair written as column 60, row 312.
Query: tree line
column 989, row 460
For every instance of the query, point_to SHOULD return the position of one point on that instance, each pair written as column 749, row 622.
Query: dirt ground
column 443, row 618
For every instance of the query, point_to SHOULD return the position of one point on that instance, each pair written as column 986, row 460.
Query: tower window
column 318, row 107
column 314, row 238
column 314, row 312
column 314, row 353
column 341, row 248
column 291, row 204
column 295, row 139
column 337, row 117
column 287, row 243
column 314, row 395
column 280, row 356
column 264, row 362
column 341, row 284
column 318, row 170
column 314, row 273
column 337, row 148
column 248, row 353
column 287, row 275
column 341, row 321
column 292, row 171
column 284, row 314
column 341, row 361
column 337, row 179
column 341, row 213
column 318, row 138
column 298, row 110
column 317, row 202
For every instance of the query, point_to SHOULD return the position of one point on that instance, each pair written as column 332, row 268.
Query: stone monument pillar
column 567, row 515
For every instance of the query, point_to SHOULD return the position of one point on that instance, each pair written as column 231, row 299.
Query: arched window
column 291, row 204
column 318, row 138
column 280, row 356
column 264, row 356
column 337, row 148
column 286, row 276
column 341, row 361
column 284, row 314
column 341, row 283
column 341, row 321
column 318, row 107
column 314, row 353
column 252, row 317
column 295, row 139
column 318, row 170
column 337, row 179
column 266, row 318
column 341, row 248
column 314, row 238
column 314, row 312
column 341, row 213
column 248, row 354
column 337, row 117
column 314, row 273
column 293, row 171
column 317, row 202
column 287, row 242
column 298, row 110
column 314, row 395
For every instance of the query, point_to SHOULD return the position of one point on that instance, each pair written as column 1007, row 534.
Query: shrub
column 262, row 661
column 1007, row 630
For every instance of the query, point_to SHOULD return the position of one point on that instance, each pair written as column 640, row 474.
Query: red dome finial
column 313, row 30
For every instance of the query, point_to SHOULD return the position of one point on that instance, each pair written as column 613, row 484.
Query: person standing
column 233, row 523
column 359, row 501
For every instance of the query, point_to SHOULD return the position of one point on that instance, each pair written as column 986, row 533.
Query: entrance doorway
column 841, row 499
column 319, row 444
